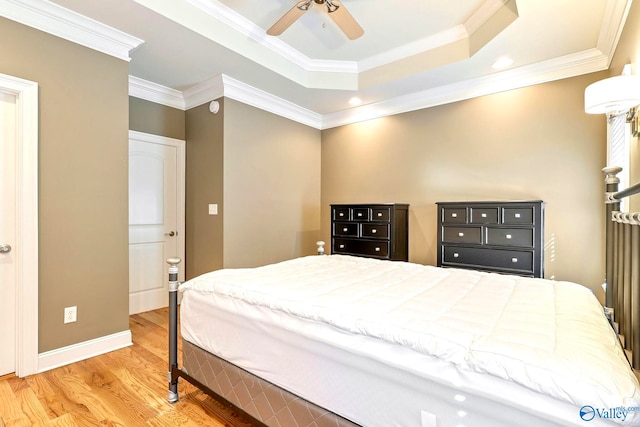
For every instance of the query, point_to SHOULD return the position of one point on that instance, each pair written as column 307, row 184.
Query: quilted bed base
column 262, row 400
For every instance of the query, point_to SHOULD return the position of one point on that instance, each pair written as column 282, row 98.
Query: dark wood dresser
column 371, row 230
column 504, row 237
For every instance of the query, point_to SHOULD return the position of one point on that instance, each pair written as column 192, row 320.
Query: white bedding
column 549, row 337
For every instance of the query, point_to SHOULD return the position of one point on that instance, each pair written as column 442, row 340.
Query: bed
column 335, row 340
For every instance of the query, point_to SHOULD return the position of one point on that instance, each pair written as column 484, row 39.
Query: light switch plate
column 213, row 209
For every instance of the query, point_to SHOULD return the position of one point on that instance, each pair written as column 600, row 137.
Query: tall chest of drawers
column 504, row 237
column 371, row 230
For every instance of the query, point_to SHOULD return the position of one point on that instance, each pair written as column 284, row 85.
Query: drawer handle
column 377, row 249
column 341, row 214
column 374, row 231
column 508, row 236
column 456, row 255
column 484, row 215
column 359, row 213
column 345, row 229
column 379, row 213
column 454, row 215
column 341, row 246
column 461, row 234
column 514, row 260
column 517, row 215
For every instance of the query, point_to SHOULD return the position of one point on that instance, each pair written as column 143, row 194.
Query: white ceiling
column 414, row 53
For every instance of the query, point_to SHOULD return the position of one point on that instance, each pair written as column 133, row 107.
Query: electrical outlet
column 70, row 314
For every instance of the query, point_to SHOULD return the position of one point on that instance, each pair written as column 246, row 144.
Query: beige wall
column 532, row 143
column 82, row 182
column 263, row 172
column 271, row 187
column 204, row 182
column 149, row 117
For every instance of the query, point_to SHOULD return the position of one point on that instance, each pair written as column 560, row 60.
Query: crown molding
column 585, row 62
column 229, row 87
column 61, row 22
column 154, row 92
column 242, row 92
column 615, row 16
column 203, row 92
column 218, row 87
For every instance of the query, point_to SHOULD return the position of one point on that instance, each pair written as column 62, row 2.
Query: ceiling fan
column 336, row 10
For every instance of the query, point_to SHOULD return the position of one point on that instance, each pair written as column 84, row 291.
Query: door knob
column 170, row 234
column 5, row 249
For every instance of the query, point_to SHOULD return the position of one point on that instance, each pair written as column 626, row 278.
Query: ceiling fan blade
column 289, row 18
column 344, row 19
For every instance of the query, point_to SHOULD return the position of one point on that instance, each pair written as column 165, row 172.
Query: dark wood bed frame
column 622, row 280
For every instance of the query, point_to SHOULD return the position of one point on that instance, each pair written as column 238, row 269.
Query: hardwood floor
column 127, row 387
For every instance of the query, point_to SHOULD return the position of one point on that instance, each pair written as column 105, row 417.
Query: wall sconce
column 613, row 96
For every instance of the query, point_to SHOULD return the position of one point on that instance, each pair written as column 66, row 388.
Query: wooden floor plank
column 31, row 407
column 124, row 388
column 8, row 409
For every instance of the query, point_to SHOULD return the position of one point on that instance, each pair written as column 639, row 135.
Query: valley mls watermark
column 588, row 412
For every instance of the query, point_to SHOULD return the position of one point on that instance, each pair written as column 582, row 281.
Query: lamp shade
column 613, row 95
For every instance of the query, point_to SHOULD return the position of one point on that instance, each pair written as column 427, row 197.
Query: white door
column 156, row 217
column 7, row 233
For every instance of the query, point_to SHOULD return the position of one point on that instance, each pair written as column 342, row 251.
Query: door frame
column 26, row 246
column 181, row 159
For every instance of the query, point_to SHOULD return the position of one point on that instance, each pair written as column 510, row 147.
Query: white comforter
column 548, row 336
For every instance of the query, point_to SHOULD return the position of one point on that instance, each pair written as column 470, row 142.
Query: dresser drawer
column 360, row 214
column 340, row 214
column 345, row 229
column 381, row 214
column 368, row 248
column 523, row 215
column 454, row 215
column 492, row 258
column 484, row 215
column 521, row 237
column 373, row 230
column 462, row 235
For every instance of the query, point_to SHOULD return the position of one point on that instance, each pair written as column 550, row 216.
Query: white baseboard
column 84, row 350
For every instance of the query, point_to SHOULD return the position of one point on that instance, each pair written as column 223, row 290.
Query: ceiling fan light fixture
column 304, row 5
column 331, row 7
column 289, row 18
column 336, row 10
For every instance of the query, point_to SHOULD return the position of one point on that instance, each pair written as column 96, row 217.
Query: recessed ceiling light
column 503, row 62
column 355, row 101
